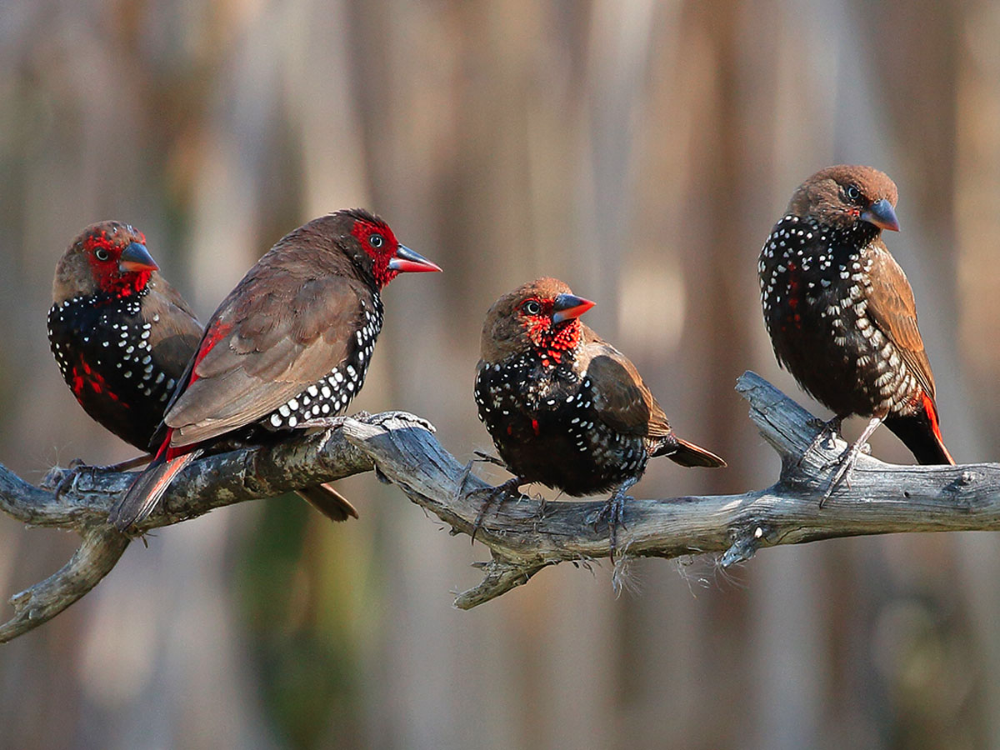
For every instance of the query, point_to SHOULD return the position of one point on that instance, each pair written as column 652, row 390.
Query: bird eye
column 853, row 192
column 101, row 254
column 531, row 307
column 376, row 241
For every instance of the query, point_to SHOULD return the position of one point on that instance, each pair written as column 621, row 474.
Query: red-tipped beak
column 569, row 306
column 881, row 214
column 405, row 260
column 136, row 257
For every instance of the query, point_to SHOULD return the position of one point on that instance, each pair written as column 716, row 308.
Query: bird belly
column 327, row 398
column 330, row 396
column 550, row 433
column 104, row 355
column 581, row 462
column 837, row 354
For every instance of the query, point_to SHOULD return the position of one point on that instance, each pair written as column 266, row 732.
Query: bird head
column 108, row 257
column 844, row 196
column 541, row 317
column 381, row 254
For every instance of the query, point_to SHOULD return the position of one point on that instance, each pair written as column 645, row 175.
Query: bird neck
column 858, row 235
column 552, row 344
column 124, row 285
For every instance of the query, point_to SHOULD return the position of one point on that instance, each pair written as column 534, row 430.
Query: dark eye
column 531, row 307
column 853, row 193
column 101, row 254
column 376, row 241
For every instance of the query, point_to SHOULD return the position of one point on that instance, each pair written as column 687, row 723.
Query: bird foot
column 77, row 468
column 842, row 474
column 332, row 423
column 614, row 512
column 494, row 495
column 328, row 423
column 848, row 458
column 404, row 416
column 828, row 431
column 487, row 458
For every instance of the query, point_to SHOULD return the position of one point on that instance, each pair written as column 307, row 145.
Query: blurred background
column 641, row 151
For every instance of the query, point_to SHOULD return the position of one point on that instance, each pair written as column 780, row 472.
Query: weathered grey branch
column 879, row 499
column 213, row 482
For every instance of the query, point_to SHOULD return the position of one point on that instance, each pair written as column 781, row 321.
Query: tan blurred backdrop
column 641, row 151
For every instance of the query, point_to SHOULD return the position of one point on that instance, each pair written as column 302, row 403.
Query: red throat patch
column 552, row 342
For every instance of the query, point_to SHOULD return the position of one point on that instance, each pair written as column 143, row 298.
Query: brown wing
column 174, row 329
column 276, row 334
column 620, row 396
column 892, row 308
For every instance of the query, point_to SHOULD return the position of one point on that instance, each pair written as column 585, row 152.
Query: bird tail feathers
column 920, row 433
column 328, row 501
column 143, row 496
column 689, row 454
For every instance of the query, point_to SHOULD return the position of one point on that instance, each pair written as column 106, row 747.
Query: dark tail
column 922, row 435
column 328, row 501
column 147, row 489
column 688, row 454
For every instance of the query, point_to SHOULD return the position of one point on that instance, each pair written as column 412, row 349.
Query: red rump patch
column 171, row 453
column 932, row 415
column 931, row 411
column 167, row 453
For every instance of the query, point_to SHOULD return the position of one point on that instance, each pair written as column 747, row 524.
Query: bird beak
column 136, row 257
column 569, row 306
column 406, row 260
column 881, row 214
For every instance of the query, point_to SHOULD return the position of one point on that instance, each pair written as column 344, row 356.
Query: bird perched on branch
column 841, row 314
column 287, row 349
column 564, row 407
column 122, row 337
column 119, row 332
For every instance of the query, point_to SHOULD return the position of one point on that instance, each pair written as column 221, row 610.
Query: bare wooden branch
column 527, row 535
column 213, row 482
column 881, row 498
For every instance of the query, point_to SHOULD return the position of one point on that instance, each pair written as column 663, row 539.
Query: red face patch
column 104, row 253
column 381, row 244
column 551, row 340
